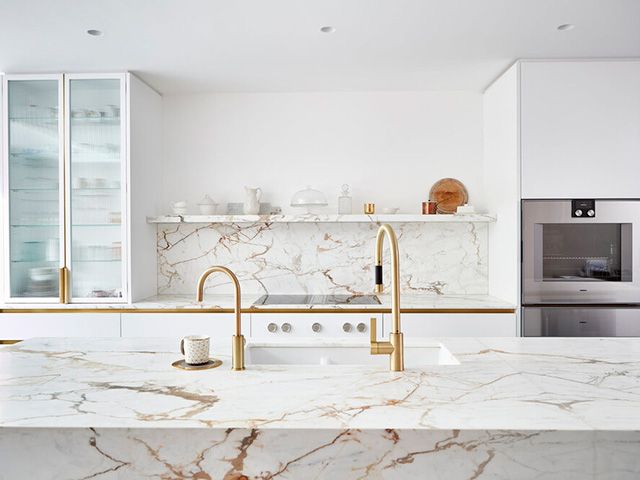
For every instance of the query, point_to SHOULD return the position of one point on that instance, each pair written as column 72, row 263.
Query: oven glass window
column 585, row 252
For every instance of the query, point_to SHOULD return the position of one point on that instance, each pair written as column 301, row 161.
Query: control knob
column 316, row 327
column 272, row 327
column 347, row 327
column 590, row 213
column 286, row 327
column 362, row 327
column 578, row 213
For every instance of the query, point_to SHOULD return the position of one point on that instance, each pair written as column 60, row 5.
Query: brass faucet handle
column 373, row 331
column 378, row 348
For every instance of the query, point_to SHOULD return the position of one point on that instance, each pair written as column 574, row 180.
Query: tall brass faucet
column 395, row 346
column 237, row 345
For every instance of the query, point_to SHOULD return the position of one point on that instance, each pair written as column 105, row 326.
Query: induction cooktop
column 311, row 299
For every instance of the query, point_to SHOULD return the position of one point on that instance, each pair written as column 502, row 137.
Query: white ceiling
column 276, row 45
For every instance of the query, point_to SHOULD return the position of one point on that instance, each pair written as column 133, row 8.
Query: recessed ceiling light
column 566, row 26
column 327, row 29
column 94, row 33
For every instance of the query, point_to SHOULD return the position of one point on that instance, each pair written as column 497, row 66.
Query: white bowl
column 390, row 210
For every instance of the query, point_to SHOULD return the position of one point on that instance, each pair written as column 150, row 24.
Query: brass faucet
column 237, row 340
column 395, row 346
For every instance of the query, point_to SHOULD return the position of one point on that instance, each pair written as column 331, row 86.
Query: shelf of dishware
column 325, row 218
column 74, row 120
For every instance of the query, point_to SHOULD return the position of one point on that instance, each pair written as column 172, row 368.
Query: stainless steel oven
column 581, row 263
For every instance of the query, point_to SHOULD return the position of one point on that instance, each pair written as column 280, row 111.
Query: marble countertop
column 408, row 302
column 578, row 384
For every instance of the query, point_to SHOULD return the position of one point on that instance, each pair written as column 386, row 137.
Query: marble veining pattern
column 437, row 258
column 512, row 409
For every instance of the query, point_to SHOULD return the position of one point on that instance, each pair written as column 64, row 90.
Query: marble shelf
column 324, row 218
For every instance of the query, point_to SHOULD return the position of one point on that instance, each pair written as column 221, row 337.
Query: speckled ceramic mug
column 195, row 349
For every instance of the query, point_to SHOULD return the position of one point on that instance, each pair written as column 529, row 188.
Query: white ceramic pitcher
column 252, row 200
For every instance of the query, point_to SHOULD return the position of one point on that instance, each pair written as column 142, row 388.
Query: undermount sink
column 334, row 353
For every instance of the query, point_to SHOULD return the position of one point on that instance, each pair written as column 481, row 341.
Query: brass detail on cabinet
column 117, row 309
column 9, row 342
column 64, row 285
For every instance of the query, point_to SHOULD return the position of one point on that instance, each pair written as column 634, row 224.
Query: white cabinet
column 219, row 326
column 69, row 167
column 456, row 325
column 580, row 129
column 318, row 325
column 20, row 326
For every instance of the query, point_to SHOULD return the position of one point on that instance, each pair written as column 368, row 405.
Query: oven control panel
column 583, row 208
column 317, row 325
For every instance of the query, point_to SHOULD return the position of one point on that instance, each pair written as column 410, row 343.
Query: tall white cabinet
column 70, row 165
column 556, row 129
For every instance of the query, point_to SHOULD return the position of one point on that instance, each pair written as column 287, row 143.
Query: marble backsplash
column 440, row 258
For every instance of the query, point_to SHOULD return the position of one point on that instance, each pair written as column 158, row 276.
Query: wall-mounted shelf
column 324, row 218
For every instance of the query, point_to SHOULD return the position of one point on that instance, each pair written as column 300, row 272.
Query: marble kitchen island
column 512, row 408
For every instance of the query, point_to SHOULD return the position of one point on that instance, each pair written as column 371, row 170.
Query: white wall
column 502, row 184
column 389, row 146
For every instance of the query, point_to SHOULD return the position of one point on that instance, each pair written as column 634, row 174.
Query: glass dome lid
column 309, row 197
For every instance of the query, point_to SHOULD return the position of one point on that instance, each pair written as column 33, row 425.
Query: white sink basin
column 314, row 352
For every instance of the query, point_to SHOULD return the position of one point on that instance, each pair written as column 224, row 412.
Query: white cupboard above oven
column 580, row 129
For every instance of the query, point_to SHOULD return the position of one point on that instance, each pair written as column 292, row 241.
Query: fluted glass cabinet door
column 95, row 152
column 32, row 184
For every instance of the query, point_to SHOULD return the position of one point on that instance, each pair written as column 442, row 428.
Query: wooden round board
column 449, row 194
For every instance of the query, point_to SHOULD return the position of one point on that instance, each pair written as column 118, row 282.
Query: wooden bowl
column 449, row 194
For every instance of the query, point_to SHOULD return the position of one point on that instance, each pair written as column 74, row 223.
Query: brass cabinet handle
column 63, row 288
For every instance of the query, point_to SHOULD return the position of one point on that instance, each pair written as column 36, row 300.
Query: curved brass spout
column 395, row 346
column 237, row 345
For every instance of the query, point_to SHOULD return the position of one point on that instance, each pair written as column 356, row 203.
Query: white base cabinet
column 20, row 326
column 219, row 326
column 261, row 326
column 456, row 325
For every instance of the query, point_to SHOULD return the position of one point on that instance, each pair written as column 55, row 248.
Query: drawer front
column 456, row 325
column 581, row 322
column 219, row 326
column 20, row 326
column 312, row 325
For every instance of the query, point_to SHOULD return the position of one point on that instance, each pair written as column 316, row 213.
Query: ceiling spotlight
column 327, row 29
column 566, row 26
column 94, row 33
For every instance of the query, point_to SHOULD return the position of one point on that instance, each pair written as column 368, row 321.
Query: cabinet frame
column 124, row 180
column 6, row 209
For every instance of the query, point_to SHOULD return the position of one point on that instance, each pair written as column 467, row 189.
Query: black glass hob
column 284, row 299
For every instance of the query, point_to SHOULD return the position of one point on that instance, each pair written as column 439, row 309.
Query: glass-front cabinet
column 94, row 153
column 64, row 182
